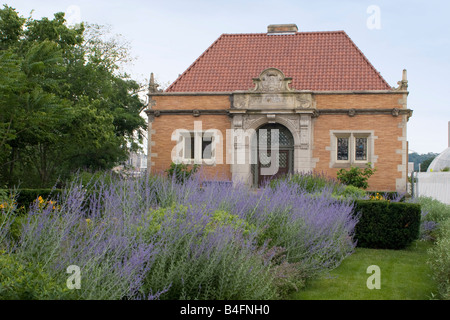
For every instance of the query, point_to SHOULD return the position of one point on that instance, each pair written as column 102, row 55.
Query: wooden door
column 283, row 165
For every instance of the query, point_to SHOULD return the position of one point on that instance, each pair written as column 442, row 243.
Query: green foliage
column 153, row 220
column 386, row 225
column 4, row 195
column 222, row 218
column 356, row 176
column 387, row 195
column 439, row 255
column 309, row 182
column 181, row 172
column 27, row 281
column 435, row 210
column 25, row 197
column 351, row 192
column 420, row 158
column 10, row 27
column 243, row 275
column 440, row 261
column 63, row 103
column 426, row 163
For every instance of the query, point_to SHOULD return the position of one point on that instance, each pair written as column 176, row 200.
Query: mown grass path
column 404, row 275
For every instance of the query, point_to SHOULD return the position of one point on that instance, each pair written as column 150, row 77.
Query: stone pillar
column 303, row 150
column 239, row 158
column 152, row 88
column 150, row 143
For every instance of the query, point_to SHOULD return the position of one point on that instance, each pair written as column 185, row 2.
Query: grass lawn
column 404, row 275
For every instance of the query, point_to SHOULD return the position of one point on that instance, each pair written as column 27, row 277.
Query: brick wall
column 389, row 147
column 358, row 101
column 164, row 126
column 388, row 132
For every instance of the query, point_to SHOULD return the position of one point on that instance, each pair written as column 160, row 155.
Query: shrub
column 434, row 209
column 157, row 238
column 386, row 225
column 356, row 176
column 216, row 266
column 25, row 197
column 96, row 238
column 181, row 172
column 387, row 195
column 316, row 231
column 439, row 261
column 351, row 193
column 28, row 281
column 311, row 182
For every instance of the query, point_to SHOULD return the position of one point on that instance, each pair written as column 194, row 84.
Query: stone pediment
column 272, row 92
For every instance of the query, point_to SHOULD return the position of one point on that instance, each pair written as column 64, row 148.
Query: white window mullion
column 198, row 147
column 352, row 149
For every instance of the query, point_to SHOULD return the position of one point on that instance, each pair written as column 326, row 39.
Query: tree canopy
column 64, row 103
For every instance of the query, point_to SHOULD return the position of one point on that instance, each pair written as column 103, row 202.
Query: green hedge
column 386, row 225
column 25, row 197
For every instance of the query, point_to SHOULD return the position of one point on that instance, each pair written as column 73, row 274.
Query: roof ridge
column 281, row 34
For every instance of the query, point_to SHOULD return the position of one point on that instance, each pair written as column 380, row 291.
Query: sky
column 166, row 37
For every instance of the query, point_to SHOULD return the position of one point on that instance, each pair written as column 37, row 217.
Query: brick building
column 315, row 93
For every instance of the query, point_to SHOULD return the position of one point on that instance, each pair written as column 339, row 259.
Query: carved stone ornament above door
column 272, row 80
column 272, row 92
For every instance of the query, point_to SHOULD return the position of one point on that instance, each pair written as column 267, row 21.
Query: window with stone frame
column 197, row 146
column 351, row 148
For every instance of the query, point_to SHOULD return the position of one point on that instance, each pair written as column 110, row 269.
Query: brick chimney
column 282, row 28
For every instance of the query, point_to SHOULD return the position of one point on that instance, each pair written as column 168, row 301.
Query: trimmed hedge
column 386, row 225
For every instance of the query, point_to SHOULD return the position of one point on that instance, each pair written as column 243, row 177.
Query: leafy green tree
column 64, row 104
column 11, row 27
column 426, row 163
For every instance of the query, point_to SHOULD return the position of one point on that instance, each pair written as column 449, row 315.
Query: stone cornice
column 353, row 112
column 159, row 94
column 193, row 112
column 316, row 112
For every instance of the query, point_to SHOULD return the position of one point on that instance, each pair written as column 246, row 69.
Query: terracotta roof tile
column 320, row 61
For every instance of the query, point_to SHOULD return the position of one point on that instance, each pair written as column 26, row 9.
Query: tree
column 426, row 163
column 11, row 27
column 423, row 160
column 64, row 103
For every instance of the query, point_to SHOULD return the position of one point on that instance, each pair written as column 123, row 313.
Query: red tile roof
column 320, row 61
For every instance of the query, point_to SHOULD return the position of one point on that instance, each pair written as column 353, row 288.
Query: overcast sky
column 167, row 36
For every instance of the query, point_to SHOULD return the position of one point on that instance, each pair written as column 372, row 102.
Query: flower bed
column 158, row 239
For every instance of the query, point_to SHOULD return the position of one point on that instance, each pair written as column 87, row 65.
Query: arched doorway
column 270, row 150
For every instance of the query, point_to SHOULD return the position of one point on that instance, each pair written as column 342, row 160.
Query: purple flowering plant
column 154, row 237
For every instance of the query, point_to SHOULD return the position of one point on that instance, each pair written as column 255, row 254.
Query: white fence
column 433, row 184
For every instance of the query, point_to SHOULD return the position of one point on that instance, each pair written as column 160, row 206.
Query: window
column 360, row 149
column 192, row 142
column 342, row 149
column 351, row 148
column 189, row 143
column 207, row 147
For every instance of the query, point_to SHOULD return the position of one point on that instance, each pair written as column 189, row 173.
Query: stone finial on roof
column 403, row 85
column 153, row 86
